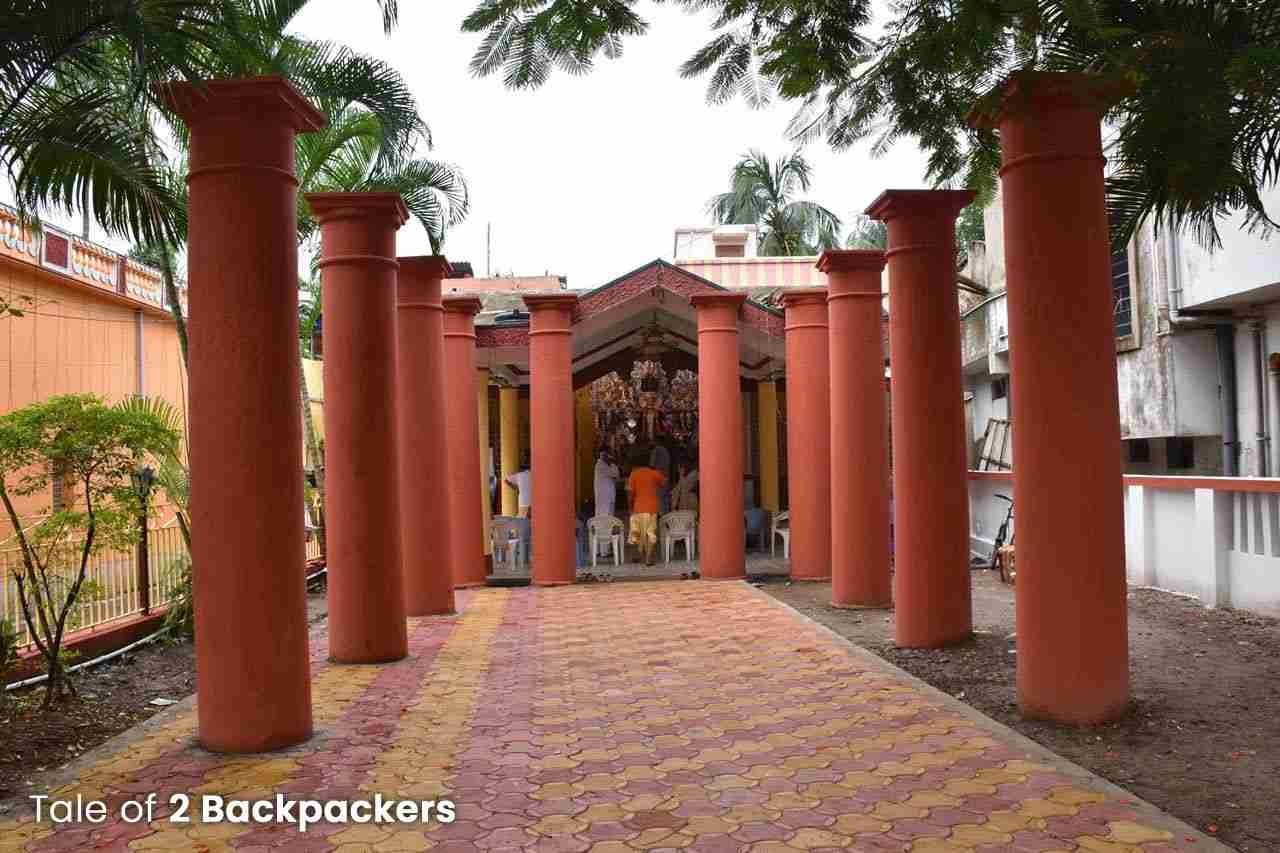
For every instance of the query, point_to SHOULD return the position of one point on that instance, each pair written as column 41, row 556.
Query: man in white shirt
column 606, row 484
column 522, row 481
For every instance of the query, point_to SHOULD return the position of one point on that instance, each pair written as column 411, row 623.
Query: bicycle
column 997, row 556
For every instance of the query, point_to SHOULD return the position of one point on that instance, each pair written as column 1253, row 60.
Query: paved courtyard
column 631, row 716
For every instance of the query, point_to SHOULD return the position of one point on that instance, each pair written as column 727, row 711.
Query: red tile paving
column 700, row 716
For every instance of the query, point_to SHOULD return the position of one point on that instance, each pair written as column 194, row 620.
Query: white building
column 1198, row 363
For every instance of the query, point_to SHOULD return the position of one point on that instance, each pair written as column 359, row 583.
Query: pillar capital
column 851, row 260
column 331, row 207
column 1034, row 91
column 550, row 301
column 720, row 299
column 718, row 312
column 892, row 204
column 1050, row 121
column 795, row 297
column 462, row 304
column 550, row 312
column 425, row 266
column 270, row 97
column 418, row 284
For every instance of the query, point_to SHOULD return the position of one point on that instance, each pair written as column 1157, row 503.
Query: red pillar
column 859, row 447
column 808, row 432
column 551, row 432
column 722, row 537
column 424, row 471
column 1072, row 618
column 466, row 527
column 930, row 480
column 246, row 442
column 358, row 265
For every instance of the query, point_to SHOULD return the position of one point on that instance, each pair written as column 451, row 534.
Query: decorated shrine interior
column 635, row 370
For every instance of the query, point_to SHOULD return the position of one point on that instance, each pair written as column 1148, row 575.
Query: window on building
column 1121, row 293
column 1180, row 453
column 999, row 388
column 730, row 250
column 1139, row 449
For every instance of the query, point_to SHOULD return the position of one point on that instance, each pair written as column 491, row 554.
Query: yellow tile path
column 696, row 716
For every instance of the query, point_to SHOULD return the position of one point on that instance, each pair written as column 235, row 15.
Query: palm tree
column 762, row 192
column 74, row 74
column 355, row 154
column 868, row 233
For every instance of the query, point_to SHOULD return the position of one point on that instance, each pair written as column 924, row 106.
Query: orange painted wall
column 74, row 338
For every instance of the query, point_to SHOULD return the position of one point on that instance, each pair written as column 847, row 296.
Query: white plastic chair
column 679, row 526
column 507, row 535
column 781, row 527
column 605, row 528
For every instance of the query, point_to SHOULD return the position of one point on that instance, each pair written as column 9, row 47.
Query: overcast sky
column 587, row 177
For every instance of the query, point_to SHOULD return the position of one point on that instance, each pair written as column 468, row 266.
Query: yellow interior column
column 767, row 430
column 509, row 441
column 486, row 454
column 586, row 438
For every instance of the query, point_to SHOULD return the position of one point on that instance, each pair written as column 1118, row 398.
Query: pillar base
column 469, row 585
column 941, row 643
column 888, row 605
column 367, row 661
column 240, row 747
column 449, row 612
column 1065, row 717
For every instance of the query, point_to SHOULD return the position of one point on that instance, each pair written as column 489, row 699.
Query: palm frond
column 65, row 147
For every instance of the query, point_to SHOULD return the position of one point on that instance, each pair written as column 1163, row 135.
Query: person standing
column 685, row 494
column 660, row 461
column 644, row 485
column 606, row 493
column 606, row 483
column 522, row 482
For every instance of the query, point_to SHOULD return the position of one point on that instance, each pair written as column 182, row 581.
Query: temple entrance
column 646, row 356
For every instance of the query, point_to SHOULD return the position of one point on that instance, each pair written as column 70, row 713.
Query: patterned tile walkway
column 693, row 716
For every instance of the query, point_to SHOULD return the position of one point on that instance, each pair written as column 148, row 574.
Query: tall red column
column 722, row 538
column 424, row 469
column 551, row 436
column 1073, row 662
column 808, row 432
column 930, row 479
column 246, row 488
column 859, row 447
column 358, row 269
column 466, row 527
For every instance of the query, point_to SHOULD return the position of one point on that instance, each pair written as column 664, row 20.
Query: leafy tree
column 8, row 656
column 969, row 229
column 1197, row 137
column 868, row 233
column 762, row 192
column 95, row 447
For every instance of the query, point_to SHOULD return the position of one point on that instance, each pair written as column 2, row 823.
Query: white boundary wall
column 1214, row 538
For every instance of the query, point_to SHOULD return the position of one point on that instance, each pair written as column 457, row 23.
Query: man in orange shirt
column 645, row 484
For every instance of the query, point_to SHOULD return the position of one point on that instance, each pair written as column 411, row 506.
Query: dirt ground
column 113, row 696
column 1202, row 739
